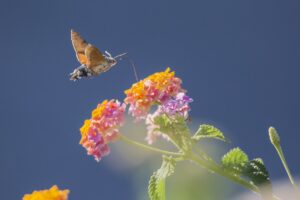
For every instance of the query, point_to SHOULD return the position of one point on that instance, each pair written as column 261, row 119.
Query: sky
column 239, row 61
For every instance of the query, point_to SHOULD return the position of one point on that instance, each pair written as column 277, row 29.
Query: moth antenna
column 134, row 69
column 120, row 57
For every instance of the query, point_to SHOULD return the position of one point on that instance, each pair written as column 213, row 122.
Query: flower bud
column 274, row 137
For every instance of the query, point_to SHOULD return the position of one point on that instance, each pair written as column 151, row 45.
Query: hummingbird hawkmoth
column 92, row 61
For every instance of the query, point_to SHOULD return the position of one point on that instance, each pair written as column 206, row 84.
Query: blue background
column 239, row 61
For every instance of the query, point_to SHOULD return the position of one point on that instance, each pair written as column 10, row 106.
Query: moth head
column 111, row 61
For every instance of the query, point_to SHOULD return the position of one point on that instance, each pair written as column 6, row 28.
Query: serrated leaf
column 152, row 188
column 257, row 172
column 156, row 188
column 208, row 131
column 235, row 160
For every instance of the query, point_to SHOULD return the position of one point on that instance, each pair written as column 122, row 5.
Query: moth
column 92, row 61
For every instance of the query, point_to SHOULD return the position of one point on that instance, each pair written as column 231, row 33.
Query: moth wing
column 79, row 45
column 94, row 56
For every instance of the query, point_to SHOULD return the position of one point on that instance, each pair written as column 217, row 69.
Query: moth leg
column 79, row 72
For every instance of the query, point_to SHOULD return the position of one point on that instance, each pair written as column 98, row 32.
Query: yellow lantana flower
column 52, row 194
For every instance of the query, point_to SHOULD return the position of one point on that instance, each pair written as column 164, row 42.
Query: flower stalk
column 206, row 163
column 149, row 148
column 211, row 166
column 275, row 140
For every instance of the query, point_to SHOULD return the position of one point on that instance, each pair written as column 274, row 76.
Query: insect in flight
column 92, row 61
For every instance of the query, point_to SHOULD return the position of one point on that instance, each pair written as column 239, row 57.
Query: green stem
column 163, row 194
column 122, row 137
column 210, row 165
column 174, row 143
column 171, row 139
column 207, row 163
column 286, row 167
column 203, row 154
column 216, row 169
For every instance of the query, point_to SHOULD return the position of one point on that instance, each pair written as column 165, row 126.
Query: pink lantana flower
column 102, row 128
column 155, row 89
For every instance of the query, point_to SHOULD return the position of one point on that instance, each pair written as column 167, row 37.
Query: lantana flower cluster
column 51, row 194
column 102, row 128
column 161, row 89
column 155, row 89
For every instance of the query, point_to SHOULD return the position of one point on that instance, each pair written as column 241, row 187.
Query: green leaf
column 257, row 172
column 235, row 160
column 208, row 131
column 156, row 188
column 176, row 128
column 152, row 187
